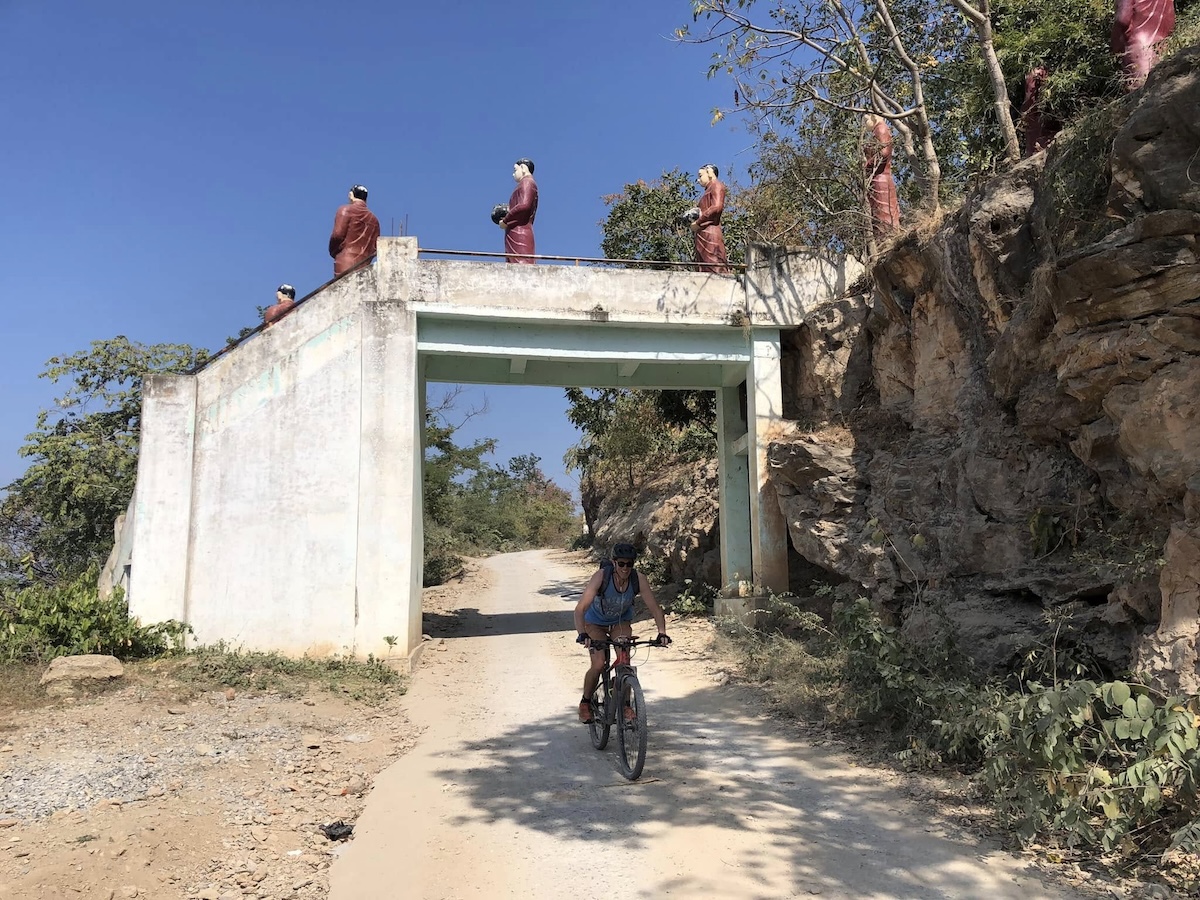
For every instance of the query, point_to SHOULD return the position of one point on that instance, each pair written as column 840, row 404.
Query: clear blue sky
column 165, row 166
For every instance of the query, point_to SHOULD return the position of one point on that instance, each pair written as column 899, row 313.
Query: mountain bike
column 618, row 701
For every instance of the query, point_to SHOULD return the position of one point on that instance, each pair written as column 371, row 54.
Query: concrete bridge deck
column 278, row 502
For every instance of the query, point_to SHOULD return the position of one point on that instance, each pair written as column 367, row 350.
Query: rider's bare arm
column 589, row 594
column 651, row 604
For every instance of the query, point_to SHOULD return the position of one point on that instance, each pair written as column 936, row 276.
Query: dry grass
column 927, row 224
column 180, row 678
column 801, row 680
column 20, row 691
column 1185, row 35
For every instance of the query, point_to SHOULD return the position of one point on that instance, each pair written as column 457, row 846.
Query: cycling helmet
column 624, row 551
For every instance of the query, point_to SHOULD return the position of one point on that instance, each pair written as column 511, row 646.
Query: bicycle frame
column 619, row 690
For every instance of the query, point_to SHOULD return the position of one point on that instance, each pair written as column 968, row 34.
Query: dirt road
column 503, row 796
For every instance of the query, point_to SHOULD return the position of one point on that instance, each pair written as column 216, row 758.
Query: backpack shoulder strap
column 606, row 566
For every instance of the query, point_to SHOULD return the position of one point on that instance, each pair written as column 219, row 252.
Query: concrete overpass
column 278, row 500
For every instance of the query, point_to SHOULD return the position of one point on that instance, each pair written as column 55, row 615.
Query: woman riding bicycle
column 606, row 612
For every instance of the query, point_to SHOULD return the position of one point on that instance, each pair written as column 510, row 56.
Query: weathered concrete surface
column 278, row 503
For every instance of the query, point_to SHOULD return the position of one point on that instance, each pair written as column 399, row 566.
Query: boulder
column 68, row 673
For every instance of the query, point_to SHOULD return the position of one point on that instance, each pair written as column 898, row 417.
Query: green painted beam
column 533, row 340
column 557, row 373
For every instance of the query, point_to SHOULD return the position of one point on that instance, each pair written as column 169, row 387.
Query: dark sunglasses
column 624, row 564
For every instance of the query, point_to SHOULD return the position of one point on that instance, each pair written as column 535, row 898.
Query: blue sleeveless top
column 610, row 605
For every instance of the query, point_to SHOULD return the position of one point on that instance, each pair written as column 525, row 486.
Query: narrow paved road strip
column 504, row 796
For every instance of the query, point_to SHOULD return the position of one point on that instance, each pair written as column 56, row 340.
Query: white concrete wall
column 733, row 501
column 389, row 528
column 768, row 529
column 163, row 499
column 274, row 527
column 784, row 284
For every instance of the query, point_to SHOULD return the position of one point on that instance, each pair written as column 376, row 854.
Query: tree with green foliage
column 56, row 519
column 870, row 56
column 1071, row 39
column 947, row 76
column 627, row 435
column 643, row 222
column 473, row 507
column 625, row 430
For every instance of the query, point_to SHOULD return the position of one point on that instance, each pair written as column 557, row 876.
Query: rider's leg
column 597, row 633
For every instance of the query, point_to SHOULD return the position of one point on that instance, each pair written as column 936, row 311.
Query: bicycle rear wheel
column 600, row 724
column 631, row 728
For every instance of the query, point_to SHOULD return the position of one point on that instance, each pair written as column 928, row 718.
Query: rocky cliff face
column 1006, row 426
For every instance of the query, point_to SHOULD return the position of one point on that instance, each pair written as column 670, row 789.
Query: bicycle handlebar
column 625, row 642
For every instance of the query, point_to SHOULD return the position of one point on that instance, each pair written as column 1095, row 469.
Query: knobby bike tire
column 601, row 721
column 631, row 733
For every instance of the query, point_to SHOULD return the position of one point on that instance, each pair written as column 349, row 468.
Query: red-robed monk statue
column 881, row 186
column 1138, row 26
column 706, row 230
column 285, row 302
column 355, row 232
column 522, row 209
column 1040, row 129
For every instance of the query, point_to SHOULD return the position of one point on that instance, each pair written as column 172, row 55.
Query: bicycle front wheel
column 631, row 728
column 601, row 722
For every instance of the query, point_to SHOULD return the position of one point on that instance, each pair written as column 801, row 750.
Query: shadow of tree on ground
column 715, row 764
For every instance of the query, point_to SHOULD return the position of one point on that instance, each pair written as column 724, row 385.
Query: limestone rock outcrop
column 1007, row 425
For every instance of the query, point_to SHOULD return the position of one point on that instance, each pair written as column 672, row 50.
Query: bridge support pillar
column 163, row 500
column 734, row 499
column 390, row 534
column 764, row 413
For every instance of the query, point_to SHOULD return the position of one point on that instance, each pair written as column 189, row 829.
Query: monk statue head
column 358, row 192
column 522, row 167
column 707, row 174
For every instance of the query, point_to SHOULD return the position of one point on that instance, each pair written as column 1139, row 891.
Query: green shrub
column 1112, row 764
column 696, row 599
column 439, row 567
column 40, row 622
column 655, row 568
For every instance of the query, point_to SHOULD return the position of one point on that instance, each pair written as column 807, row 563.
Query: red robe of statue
column 881, row 186
column 1039, row 129
column 277, row 311
column 710, row 241
column 518, row 224
column 355, row 235
column 1139, row 25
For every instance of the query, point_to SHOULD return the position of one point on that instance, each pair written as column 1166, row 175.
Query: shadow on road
column 567, row 588
column 792, row 821
column 470, row 622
